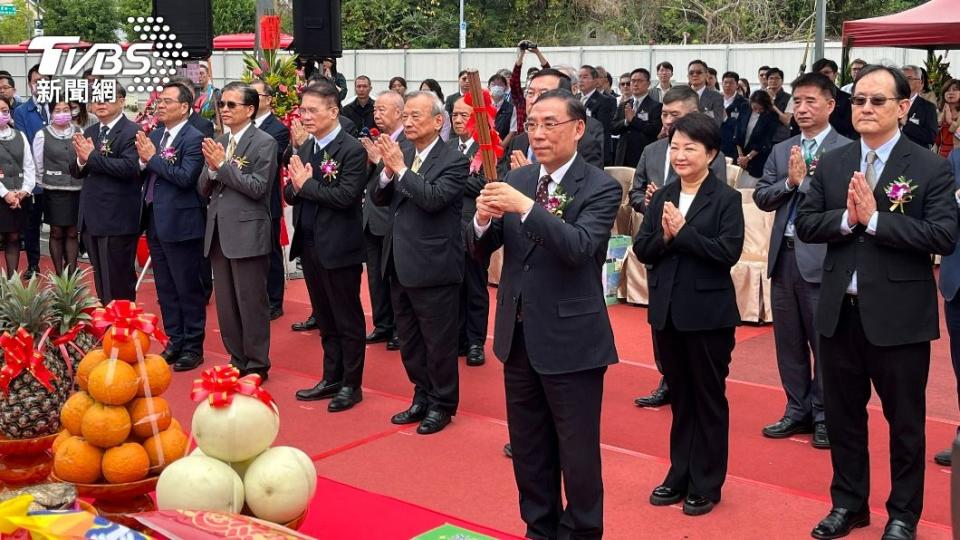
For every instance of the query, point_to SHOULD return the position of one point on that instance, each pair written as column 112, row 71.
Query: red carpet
column 380, row 481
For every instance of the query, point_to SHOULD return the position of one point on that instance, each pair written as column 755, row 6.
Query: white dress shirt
column 384, row 179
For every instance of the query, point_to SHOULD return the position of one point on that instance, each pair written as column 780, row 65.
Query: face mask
column 497, row 92
column 4, row 119
column 74, row 113
column 61, row 118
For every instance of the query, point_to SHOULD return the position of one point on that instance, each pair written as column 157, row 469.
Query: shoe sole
column 820, row 446
column 855, row 525
column 942, row 463
column 347, row 408
column 319, row 398
column 666, row 501
column 786, row 435
column 697, row 510
column 650, row 405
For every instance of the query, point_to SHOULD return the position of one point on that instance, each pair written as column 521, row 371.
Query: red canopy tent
column 933, row 25
column 233, row 42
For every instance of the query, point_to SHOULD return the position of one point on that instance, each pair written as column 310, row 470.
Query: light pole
column 463, row 28
column 820, row 25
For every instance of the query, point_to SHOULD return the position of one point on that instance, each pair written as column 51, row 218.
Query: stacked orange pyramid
column 118, row 428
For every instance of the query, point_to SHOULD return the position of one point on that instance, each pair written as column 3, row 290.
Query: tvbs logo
column 104, row 59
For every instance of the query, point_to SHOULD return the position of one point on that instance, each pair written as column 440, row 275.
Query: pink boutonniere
column 900, row 192
column 558, row 202
column 812, row 168
column 329, row 168
column 105, row 147
column 169, row 155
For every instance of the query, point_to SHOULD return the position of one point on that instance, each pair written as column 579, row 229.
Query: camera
column 527, row 45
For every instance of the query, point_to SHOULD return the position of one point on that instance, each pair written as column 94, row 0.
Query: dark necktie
column 463, row 148
column 152, row 182
column 543, row 190
column 103, row 133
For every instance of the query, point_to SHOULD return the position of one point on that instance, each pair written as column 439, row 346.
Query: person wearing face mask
column 17, row 179
column 506, row 119
column 53, row 153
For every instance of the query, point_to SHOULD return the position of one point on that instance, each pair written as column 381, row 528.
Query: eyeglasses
column 695, row 72
column 5, row 88
column 230, row 105
column 549, row 125
column 876, row 101
column 621, row 84
column 531, row 93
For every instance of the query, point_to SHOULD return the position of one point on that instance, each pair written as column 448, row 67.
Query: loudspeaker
column 191, row 21
column 316, row 28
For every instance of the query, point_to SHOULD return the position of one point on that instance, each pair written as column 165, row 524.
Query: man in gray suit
column 653, row 171
column 711, row 101
column 794, row 266
column 241, row 167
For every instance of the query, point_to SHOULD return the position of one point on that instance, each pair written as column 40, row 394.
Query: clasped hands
column 499, row 198
column 387, row 150
column 672, row 221
column 797, row 167
column 299, row 172
column 13, row 198
column 145, row 147
column 83, row 146
column 861, row 204
column 213, row 153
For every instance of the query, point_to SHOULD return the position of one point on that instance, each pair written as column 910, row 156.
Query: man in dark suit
column 463, row 85
column 360, row 110
column 637, row 121
column 423, row 185
column 268, row 122
column 171, row 161
column 474, row 295
column 878, row 299
column 781, row 103
column 110, row 199
column 376, row 220
column 736, row 109
column 240, row 168
column 327, row 179
column 711, row 101
column 794, row 267
column 841, row 119
column 599, row 106
column 519, row 152
column 550, row 297
column 949, row 287
column 920, row 123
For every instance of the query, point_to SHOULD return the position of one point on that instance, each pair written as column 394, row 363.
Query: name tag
column 589, row 113
column 54, row 173
column 709, row 113
column 644, row 116
column 735, row 115
column 914, row 120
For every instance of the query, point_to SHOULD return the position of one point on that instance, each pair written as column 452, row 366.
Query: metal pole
column 821, row 29
column 463, row 28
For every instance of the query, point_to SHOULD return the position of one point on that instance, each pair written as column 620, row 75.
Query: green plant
column 938, row 71
column 281, row 73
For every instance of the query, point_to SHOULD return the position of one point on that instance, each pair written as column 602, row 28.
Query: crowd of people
column 856, row 178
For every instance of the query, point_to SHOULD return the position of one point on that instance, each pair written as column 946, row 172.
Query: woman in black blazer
column 690, row 238
column 755, row 143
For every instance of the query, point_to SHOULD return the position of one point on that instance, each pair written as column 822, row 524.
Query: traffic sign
column 8, row 9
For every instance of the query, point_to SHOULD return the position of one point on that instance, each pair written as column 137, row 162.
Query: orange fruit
column 126, row 349
column 71, row 414
column 141, row 416
column 125, row 463
column 172, row 442
column 113, row 382
column 77, row 461
column 90, row 361
column 105, row 425
column 62, row 436
column 175, row 424
column 155, row 373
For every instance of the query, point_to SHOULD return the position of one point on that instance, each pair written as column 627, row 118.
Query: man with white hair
column 920, row 123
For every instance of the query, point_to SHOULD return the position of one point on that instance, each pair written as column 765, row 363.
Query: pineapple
column 71, row 302
column 29, row 410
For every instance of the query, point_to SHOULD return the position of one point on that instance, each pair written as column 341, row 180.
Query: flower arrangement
column 169, row 155
column 105, row 147
column 146, row 118
column 282, row 75
column 329, row 168
column 558, row 202
column 239, row 162
column 900, row 192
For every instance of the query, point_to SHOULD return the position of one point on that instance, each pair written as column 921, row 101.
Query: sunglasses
column 229, row 104
column 876, row 101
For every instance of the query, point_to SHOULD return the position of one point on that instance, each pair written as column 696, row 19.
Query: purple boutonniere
column 900, row 192
column 105, row 147
column 558, row 202
column 169, row 155
column 329, row 168
column 812, row 168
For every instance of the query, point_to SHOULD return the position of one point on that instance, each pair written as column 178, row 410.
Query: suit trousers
column 951, row 312
column 794, row 311
column 426, row 320
column 243, row 310
column 696, row 365
column 113, row 258
column 339, row 315
column 554, row 424
column 176, row 270
column 31, row 235
column 474, row 303
column 275, row 277
column 850, row 364
column 378, row 285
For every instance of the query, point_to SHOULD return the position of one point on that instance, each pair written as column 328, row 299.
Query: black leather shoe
column 475, row 356
column 170, row 356
column 943, row 457
column 276, row 313
column 393, row 344
column 820, row 439
column 785, row 427
column 696, row 505
column 414, row 414
column 839, row 522
column 322, row 390
column 665, row 496
column 188, row 361
column 309, row 324
column 378, row 336
column 346, row 398
column 508, row 450
column 899, row 530
column 657, row 398
column 434, row 422
column 262, row 372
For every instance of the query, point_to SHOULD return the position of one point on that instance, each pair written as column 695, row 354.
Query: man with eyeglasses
column 711, row 102
column 550, row 297
column 8, row 90
column 637, row 122
column 878, row 308
column 855, row 66
column 781, row 103
column 664, row 84
column 171, row 160
column 240, row 168
column 920, row 123
column 599, row 106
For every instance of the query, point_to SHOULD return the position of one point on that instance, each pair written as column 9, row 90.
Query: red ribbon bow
column 124, row 317
column 220, row 383
column 491, row 112
column 19, row 354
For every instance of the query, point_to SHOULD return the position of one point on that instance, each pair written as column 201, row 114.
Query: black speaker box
column 316, row 28
column 191, row 21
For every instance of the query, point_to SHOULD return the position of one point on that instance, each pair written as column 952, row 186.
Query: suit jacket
column 602, row 107
column 552, row 270
column 950, row 264
column 240, row 197
column 590, row 147
column 177, row 207
column 711, row 104
column 650, row 169
column 895, row 285
column 201, row 124
column 275, row 128
column 762, row 140
column 349, row 126
column 922, row 125
column 377, row 218
column 423, row 240
column 450, row 102
column 734, row 124
column 689, row 278
column 772, row 195
column 337, row 222
column 110, row 197
column 636, row 135
column 842, row 116
column 475, row 181
column 28, row 118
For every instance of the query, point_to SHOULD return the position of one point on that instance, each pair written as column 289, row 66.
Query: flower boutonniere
column 239, row 162
column 812, row 168
column 105, row 147
column 900, row 192
column 558, row 202
column 169, row 155
column 329, row 168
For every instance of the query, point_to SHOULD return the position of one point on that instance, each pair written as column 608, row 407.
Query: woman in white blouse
column 54, row 152
column 16, row 184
